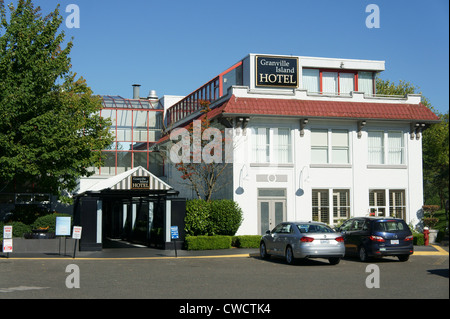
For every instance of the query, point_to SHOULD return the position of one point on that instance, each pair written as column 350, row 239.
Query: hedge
column 207, row 242
column 418, row 239
column 246, row 241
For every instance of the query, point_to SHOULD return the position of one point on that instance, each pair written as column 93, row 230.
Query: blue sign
column 174, row 232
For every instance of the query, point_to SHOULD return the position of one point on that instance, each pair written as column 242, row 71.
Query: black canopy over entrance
column 135, row 206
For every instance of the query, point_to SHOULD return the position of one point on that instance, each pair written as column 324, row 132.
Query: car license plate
column 394, row 242
column 324, row 241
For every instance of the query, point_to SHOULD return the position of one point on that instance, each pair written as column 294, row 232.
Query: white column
column 99, row 221
column 168, row 219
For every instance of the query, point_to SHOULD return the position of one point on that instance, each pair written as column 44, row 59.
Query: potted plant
column 430, row 221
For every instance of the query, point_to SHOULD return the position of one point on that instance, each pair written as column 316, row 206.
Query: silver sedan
column 303, row 240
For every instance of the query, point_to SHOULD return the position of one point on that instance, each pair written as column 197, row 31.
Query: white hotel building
column 312, row 140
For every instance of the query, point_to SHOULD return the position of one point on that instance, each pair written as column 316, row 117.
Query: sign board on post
column 7, row 239
column 7, row 232
column 76, row 234
column 174, row 235
column 7, row 245
column 62, row 226
column 174, row 232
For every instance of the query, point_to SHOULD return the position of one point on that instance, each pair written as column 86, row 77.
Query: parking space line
column 439, row 252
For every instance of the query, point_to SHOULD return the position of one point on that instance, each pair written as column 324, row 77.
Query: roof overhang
column 124, row 184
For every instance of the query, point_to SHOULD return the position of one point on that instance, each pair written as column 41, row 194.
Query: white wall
column 358, row 176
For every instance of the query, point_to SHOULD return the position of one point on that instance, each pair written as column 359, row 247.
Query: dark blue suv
column 377, row 237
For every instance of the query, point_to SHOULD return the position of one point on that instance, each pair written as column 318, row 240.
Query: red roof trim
column 320, row 109
column 328, row 109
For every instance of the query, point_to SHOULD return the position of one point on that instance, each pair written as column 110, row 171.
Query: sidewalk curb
column 432, row 250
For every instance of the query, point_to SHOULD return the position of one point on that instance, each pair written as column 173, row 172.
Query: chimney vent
column 136, row 91
column 152, row 95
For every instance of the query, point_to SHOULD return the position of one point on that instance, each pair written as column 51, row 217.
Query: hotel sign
column 273, row 71
column 140, row 182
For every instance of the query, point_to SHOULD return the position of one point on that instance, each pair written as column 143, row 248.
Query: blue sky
column 175, row 46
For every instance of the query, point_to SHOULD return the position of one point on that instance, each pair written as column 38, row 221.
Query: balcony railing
column 211, row 91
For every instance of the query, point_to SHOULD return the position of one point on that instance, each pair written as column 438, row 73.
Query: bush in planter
column 430, row 222
column 207, row 242
column 19, row 229
column 429, row 219
column 48, row 222
column 246, row 241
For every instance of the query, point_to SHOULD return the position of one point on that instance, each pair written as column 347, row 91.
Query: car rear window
column 313, row 228
column 390, row 225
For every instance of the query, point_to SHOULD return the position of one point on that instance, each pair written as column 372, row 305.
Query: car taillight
column 339, row 239
column 377, row 238
column 408, row 238
column 306, row 239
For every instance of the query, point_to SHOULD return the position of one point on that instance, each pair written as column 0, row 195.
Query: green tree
column 435, row 145
column 204, row 178
column 436, row 162
column 49, row 122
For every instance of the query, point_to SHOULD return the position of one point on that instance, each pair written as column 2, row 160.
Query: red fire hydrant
column 426, row 235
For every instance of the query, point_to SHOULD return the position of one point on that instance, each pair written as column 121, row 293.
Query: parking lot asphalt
column 133, row 252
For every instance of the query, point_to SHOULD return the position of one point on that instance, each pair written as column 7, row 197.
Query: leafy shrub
column 246, row 241
column 217, row 217
column 418, row 239
column 225, row 216
column 19, row 228
column 207, row 242
column 197, row 218
column 47, row 222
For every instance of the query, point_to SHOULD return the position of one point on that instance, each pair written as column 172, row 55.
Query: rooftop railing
column 211, row 91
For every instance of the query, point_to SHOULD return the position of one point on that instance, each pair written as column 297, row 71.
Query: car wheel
column 290, row 255
column 263, row 251
column 403, row 257
column 363, row 254
column 334, row 260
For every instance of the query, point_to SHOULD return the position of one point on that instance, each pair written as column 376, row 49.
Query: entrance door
column 271, row 208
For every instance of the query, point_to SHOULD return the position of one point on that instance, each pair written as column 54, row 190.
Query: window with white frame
column 324, row 152
column 395, row 148
column 341, row 204
column 397, row 204
column 319, row 146
column 377, row 202
column 375, row 142
column 380, row 152
column 320, row 205
column 271, row 145
column 340, row 147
